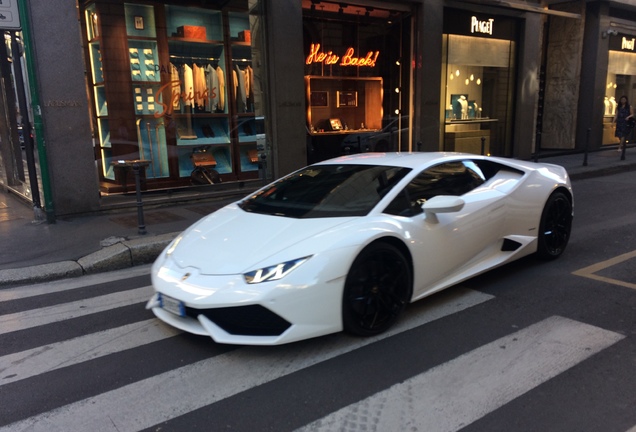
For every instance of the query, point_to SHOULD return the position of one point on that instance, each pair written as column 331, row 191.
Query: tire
column 555, row 226
column 377, row 289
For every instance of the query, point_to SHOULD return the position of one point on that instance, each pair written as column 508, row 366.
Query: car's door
column 454, row 242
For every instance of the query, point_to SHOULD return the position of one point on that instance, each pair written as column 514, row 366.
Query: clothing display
column 188, row 84
column 241, row 100
column 221, row 92
column 212, row 83
column 243, row 88
column 200, row 86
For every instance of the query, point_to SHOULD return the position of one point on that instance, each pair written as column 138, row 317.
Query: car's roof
column 402, row 159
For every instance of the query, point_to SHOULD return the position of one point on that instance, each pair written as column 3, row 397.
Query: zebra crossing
column 114, row 374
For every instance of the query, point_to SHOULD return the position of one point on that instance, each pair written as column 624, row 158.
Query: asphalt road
column 533, row 345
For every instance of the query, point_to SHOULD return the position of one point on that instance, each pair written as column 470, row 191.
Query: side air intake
column 510, row 245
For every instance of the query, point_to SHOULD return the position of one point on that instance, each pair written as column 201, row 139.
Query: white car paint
column 205, row 269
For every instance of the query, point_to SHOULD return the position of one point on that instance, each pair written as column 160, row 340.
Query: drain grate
column 153, row 218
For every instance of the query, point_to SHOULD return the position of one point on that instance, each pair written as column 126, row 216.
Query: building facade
column 217, row 97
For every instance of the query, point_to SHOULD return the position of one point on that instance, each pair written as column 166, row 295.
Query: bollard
column 140, row 206
column 587, row 143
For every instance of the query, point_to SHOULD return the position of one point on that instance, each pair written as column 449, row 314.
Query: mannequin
column 608, row 108
column 613, row 104
column 464, row 104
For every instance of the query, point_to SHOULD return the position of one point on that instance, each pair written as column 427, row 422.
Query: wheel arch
column 401, row 246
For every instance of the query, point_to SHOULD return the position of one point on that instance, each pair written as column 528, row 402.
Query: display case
column 143, row 59
column 609, row 130
column 469, row 136
column 102, row 136
column 199, row 103
column 179, row 86
column 246, row 129
column 343, row 105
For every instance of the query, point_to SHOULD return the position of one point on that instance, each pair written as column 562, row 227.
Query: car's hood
column 232, row 241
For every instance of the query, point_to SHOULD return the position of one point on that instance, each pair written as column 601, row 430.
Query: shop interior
column 356, row 79
column 478, row 78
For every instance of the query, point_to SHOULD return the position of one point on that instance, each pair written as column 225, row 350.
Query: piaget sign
column 348, row 59
column 628, row 44
column 481, row 26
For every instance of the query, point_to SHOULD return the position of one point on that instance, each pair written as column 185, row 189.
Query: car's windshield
column 326, row 191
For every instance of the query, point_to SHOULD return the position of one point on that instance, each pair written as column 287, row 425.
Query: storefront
column 217, row 97
column 179, row 88
column 357, row 78
column 479, row 75
column 621, row 79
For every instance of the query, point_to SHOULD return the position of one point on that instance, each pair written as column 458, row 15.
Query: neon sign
column 348, row 59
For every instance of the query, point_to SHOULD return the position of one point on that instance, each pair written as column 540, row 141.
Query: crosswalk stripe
column 70, row 284
column 29, row 363
column 128, row 409
column 47, row 315
column 459, row 392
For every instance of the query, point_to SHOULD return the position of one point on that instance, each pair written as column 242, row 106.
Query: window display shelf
column 144, row 63
column 101, row 105
column 140, row 21
column 249, row 157
column 202, row 130
column 222, row 157
column 151, row 135
column 193, row 23
column 96, row 62
column 343, row 105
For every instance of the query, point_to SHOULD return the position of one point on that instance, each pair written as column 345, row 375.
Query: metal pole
column 587, row 144
column 37, row 114
column 483, row 145
column 38, row 214
column 140, row 205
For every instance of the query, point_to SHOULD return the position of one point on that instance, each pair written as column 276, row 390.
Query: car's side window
column 450, row 178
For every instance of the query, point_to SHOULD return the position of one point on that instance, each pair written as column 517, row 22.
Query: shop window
column 356, row 78
column 621, row 81
column 478, row 78
column 175, row 86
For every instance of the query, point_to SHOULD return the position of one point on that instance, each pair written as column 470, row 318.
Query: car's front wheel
column 555, row 227
column 377, row 289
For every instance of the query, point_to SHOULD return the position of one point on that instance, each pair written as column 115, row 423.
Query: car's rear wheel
column 377, row 289
column 555, row 227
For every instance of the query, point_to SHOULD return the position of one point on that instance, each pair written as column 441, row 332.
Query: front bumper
column 304, row 304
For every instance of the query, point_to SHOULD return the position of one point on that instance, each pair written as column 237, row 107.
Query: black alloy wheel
column 555, row 227
column 377, row 289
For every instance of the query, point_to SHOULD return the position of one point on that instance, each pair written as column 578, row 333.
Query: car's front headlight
column 173, row 245
column 274, row 272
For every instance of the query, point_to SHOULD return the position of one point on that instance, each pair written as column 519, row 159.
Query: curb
column 123, row 254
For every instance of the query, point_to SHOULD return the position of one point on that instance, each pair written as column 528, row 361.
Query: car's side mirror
column 442, row 204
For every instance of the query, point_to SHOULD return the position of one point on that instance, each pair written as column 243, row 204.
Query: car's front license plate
column 172, row 305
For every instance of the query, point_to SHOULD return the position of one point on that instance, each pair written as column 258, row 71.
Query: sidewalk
column 38, row 252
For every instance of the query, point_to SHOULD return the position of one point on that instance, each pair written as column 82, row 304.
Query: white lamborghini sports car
column 347, row 243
